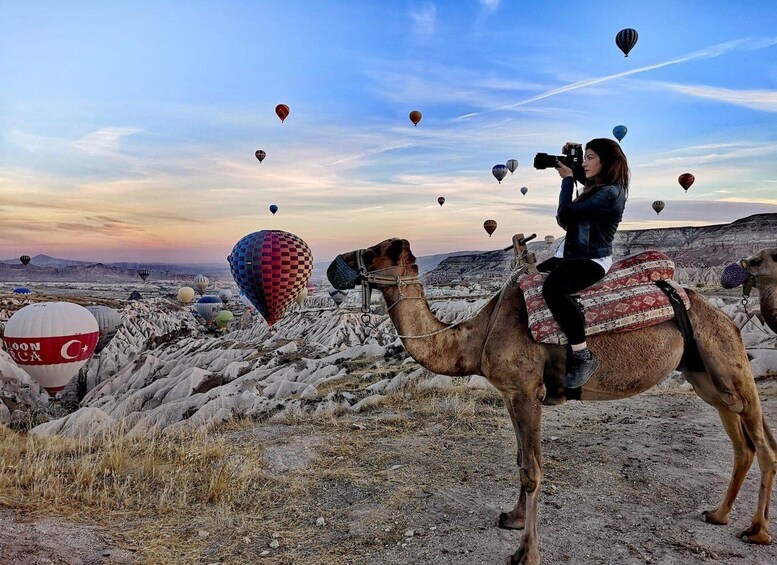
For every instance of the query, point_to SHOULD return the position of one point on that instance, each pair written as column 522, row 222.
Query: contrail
column 713, row 51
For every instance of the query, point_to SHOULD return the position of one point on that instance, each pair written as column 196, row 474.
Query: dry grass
column 161, row 493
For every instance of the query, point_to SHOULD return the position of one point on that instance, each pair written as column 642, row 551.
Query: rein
column 746, row 289
column 369, row 277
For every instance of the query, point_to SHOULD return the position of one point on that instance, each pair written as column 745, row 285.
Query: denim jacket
column 590, row 221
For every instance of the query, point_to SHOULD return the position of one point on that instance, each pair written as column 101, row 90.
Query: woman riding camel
column 585, row 255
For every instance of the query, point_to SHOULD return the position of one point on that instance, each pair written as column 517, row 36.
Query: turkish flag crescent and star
column 52, row 350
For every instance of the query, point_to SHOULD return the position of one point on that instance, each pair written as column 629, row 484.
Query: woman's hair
column 615, row 168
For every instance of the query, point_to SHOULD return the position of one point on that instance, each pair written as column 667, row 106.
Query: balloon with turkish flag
column 51, row 341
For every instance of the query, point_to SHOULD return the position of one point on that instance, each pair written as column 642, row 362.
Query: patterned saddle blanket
column 625, row 299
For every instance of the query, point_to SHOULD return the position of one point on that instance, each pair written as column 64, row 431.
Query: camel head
column 763, row 265
column 381, row 265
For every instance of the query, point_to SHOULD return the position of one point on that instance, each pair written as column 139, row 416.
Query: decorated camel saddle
column 626, row 299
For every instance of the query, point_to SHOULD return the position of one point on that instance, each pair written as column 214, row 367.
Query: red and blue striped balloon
column 271, row 267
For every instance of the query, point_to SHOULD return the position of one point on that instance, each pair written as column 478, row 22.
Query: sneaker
column 582, row 366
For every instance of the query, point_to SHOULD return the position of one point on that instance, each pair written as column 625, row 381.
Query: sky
column 128, row 129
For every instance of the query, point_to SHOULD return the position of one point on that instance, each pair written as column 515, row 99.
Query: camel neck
column 454, row 351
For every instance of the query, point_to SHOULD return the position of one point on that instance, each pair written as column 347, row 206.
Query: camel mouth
column 341, row 275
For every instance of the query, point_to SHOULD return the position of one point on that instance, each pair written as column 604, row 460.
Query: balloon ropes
column 626, row 40
column 51, row 341
column 271, row 267
column 415, row 117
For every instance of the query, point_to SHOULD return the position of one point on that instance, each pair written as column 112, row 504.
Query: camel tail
column 769, row 436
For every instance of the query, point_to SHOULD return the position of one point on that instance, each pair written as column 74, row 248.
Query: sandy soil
column 625, row 483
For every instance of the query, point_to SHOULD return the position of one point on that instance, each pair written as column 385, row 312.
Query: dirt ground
column 625, row 483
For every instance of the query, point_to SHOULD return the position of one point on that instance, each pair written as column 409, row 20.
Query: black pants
column 570, row 276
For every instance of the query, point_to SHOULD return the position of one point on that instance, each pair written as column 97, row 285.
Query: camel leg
column 743, row 458
column 516, row 518
column 765, row 448
column 750, row 436
column 527, row 415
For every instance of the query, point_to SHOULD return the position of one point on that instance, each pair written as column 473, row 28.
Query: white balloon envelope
column 208, row 307
column 51, row 341
column 108, row 322
column 225, row 295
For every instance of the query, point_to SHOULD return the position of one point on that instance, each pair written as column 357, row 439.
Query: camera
column 572, row 158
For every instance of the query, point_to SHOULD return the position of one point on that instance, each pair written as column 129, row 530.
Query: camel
column 496, row 344
column 763, row 266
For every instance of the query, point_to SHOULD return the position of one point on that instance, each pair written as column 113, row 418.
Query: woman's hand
column 568, row 145
column 563, row 170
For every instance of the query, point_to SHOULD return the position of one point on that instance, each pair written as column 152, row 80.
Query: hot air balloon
column 686, row 180
column 415, row 117
column 201, row 283
column 273, row 208
column 208, row 307
column 549, row 239
column 441, row 200
column 25, row 259
column 108, row 323
column 260, row 154
column 51, row 341
column 303, row 294
column 21, row 290
column 511, row 165
column 658, row 205
column 626, row 40
column 185, row 294
column 499, row 172
column 620, row 132
column 224, row 318
column 337, row 295
column 225, row 295
column 246, row 302
column 524, row 190
column 143, row 274
column 283, row 111
column 311, row 287
column 489, row 226
column 271, row 267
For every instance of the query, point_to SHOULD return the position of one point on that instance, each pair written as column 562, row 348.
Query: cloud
column 709, row 52
column 764, row 100
column 104, row 140
column 424, row 19
column 490, row 6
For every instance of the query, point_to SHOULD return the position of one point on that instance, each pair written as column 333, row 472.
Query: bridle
column 367, row 278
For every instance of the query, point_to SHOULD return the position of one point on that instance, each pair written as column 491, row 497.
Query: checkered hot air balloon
column 271, row 267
